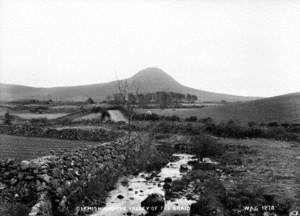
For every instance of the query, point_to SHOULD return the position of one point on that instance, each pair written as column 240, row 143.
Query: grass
column 36, row 115
column 90, row 116
column 21, row 148
column 274, row 165
column 282, row 109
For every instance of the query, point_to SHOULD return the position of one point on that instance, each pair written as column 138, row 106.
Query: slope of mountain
column 284, row 108
column 149, row 80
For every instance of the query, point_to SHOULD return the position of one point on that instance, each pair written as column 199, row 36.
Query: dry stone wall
column 56, row 184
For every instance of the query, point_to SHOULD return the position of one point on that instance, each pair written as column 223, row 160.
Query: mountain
column 283, row 108
column 149, row 80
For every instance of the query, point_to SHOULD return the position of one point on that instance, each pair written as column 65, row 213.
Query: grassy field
column 26, row 115
column 284, row 108
column 21, row 148
column 90, row 116
column 274, row 166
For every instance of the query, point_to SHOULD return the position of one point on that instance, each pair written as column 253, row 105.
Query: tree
column 163, row 99
column 123, row 88
column 189, row 97
column 90, row 101
column 131, row 98
column 194, row 98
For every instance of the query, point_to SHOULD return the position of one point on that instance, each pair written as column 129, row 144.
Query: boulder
column 207, row 206
column 154, row 203
column 44, row 177
column 168, row 180
column 184, row 168
column 120, row 196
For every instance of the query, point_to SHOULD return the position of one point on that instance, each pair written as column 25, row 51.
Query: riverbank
column 252, row 176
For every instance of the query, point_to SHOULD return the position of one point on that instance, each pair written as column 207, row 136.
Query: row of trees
column 164, row 99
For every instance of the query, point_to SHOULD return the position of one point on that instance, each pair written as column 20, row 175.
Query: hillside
column 284, row 108
column 149, row 80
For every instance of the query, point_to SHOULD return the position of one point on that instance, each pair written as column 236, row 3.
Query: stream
column 131, row 191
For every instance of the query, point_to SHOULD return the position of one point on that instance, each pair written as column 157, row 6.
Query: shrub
column 90, row 101
column 273, row 124
column 162, row 127
column 171, row 118
column 41, row 121
column 191, row 119
column 96, row 109
column 205, row 146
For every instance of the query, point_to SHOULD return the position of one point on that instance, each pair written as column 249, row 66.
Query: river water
column 126, row 199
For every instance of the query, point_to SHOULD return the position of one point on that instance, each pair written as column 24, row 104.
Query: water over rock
column 154, row 203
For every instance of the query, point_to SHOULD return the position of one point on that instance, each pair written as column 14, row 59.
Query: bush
column 273, row 124
column 237, row 130
column 41, row 121
column 191, row 119
column 39, row 109
column 205, row 146
column 146, row 117
column 171, row 118
column 96, row 109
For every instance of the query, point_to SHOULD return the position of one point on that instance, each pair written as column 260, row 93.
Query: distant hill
column 284, row 108
column 150, row 80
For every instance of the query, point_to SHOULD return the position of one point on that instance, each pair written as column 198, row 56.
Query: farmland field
column 36, row 115
column 281, row 109
column 182, row 112
column 90, row 116
column 22, row 148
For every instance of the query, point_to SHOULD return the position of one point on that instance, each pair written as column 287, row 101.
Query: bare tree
column 123, row 89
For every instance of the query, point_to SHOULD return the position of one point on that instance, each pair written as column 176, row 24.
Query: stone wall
column 99, row 134
column 57, row 184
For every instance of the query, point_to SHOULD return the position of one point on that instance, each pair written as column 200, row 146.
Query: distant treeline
column 162, row 98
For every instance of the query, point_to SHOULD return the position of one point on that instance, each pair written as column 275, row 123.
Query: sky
column 249, row 48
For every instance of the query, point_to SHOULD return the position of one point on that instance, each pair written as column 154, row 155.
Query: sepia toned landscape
column 149, row 108
column 94, row 156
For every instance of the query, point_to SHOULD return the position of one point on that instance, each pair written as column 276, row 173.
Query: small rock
column 120, row 196
column 29, row 177
column 46, row 178
column 62, row 204
column 13, row 181
column 168, row 180
column 2, row 186
column 33, row 165
column 10, row 161
column 183, row 168
column 24, row 165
